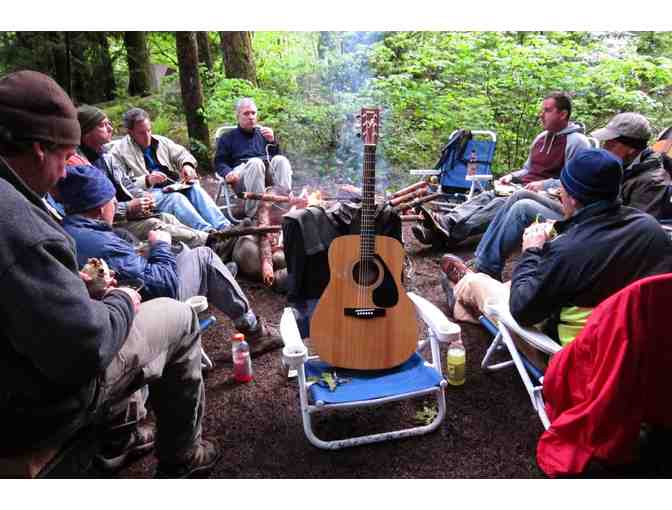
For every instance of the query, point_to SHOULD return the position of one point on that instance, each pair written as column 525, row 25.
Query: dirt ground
column 490, row 430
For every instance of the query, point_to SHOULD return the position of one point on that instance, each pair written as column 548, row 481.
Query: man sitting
column 242, row 155
column 135, row 211
column 549, row 152
column 150, row 159
column 645, row 187
column 597, row 249
column 89, row 202
column 69, row 360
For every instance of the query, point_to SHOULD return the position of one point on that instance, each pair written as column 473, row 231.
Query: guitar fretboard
column 368, row 226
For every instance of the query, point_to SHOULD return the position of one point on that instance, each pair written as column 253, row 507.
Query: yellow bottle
column 456, row 363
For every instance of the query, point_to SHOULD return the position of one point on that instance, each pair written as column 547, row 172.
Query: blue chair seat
column 361, row 385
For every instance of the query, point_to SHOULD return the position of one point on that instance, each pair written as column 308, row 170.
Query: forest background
column 309, row 85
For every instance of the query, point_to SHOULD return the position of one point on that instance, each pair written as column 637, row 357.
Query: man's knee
column 255, row 166
column 526, row 210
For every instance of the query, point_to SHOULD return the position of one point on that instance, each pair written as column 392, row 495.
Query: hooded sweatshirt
column 549, row 152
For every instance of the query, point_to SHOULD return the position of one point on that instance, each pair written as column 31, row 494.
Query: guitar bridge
column 364, row 313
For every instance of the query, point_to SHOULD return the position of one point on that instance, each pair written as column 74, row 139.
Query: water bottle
column 456, row 363
column 242, row 363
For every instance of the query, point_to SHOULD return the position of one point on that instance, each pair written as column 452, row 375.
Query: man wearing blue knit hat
column 598, row 248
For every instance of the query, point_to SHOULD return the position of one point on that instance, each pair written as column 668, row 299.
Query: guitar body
column 346, row 340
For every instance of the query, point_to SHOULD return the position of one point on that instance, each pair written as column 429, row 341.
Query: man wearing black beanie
column 68, row 359
column 596, row 250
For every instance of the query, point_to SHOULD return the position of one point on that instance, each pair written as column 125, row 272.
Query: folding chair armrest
column 294, row 353
column 445, row 330
column 500, row 312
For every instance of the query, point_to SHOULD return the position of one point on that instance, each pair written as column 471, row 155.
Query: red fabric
column 613, row 376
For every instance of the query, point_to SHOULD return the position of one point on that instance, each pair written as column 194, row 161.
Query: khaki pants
column 163, row 351
column 473, row 292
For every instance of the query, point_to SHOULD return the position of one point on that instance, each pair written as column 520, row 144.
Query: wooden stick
column 418, row 201
column 243, row 231
column 411, row 217
column 265, row 252
column 411, row 188
column 408, row 197
column 263, row 197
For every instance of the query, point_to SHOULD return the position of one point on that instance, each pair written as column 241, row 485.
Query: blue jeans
column 193, row 207
column 505, row 232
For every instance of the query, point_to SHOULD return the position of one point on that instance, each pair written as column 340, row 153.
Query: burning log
column 418, row 201
column 265, row 251
column 400, row 199
column 409, row 189
column 264, row 197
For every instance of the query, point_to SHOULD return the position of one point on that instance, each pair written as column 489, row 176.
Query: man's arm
column 540, row 284
column 177, row 154
column 67, row 335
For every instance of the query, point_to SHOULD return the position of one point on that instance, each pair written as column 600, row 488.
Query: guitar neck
column 368, row 221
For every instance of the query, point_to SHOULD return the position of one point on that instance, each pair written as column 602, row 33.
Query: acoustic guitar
column 364, row 319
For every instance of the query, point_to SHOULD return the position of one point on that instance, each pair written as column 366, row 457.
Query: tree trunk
column 238, row 56
column 192, row 95
column 103, row 71
column 80, row 71
column 138, row 63
column 204, row 53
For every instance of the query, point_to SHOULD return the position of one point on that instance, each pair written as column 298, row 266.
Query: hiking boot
column 263, row 338
column 433, row 223
column 199, row 461
column 422, row 234
column 454, row 267
column 117, row 452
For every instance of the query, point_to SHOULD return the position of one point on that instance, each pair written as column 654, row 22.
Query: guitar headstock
column 369, row 122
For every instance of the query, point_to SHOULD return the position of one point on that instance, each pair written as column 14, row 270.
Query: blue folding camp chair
column 503, row 329
column 361, row 388
column 465, row 166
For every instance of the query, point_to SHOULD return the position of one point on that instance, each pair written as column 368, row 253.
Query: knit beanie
column 84, row 187
column 592, row 175
column 34, row 107
column 89, row 117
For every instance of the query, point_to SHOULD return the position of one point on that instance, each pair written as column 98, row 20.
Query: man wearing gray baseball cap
column 646, row 179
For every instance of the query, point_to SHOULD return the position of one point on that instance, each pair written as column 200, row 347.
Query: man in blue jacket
column 244, row 152
column 68, row 359
column 88, row 197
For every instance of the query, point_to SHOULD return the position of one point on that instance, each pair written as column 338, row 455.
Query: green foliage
column 428, row 83
column 427, row 414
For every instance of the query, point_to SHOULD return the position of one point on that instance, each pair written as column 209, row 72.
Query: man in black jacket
column 68, row 359
column 597, row 249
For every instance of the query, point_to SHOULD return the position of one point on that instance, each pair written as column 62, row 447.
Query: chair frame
column 503, row 330
column 295, row 355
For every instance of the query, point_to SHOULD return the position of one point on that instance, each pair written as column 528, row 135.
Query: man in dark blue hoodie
column 244, row 152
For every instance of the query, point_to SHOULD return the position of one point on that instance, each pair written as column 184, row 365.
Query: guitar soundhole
column 365, row 274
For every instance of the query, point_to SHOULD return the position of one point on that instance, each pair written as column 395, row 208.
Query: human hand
column 505, row 179
column 232, row 178
column 140, row 207
column 156, row 236
column 536, row 235
column 156, row 177
column 536, row 186
column 188, row 173
column 98, row 287
column 267, row 133
column 134, row 295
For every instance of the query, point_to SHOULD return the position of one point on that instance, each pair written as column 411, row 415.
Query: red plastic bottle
column 242, row 363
